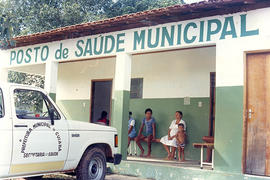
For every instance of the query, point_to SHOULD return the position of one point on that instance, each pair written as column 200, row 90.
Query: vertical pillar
column 51, row 74
column 3, row 75
column 121, row 97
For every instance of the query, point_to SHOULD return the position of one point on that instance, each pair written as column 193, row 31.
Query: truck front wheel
column 92, row 165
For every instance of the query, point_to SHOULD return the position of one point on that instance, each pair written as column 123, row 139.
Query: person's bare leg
column 138, row 139
column 183, row 154
column 179, row 153
column 168, row 151
column 173, row 152
column 149, row 141
column 129, row 139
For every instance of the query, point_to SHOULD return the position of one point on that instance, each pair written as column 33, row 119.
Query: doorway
column 101, row 97
column 212, row 104
column 257, row 115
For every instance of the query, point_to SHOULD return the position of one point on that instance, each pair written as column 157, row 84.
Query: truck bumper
column 117, row 159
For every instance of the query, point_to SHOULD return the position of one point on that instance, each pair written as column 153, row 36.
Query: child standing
column 131, row 128
column 181, row 138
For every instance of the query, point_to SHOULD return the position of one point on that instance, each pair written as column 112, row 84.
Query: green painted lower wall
column 228, row 129
column 196, row 119
column 163, row 110
column 168, row 172
column 75, row 109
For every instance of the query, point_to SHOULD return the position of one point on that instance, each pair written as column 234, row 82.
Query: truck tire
column 92, row 165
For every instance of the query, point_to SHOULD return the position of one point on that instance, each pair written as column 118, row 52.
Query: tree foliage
column 27, row 79
column 132, row 6
column 22, row 17
column 32, row 16
column 7, row 22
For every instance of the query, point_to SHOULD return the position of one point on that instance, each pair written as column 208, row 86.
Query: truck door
column 5, row 134
column 40, row 144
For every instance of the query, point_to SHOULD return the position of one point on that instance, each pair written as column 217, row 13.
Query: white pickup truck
column 37, row 139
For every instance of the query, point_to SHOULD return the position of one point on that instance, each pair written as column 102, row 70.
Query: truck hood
column 84, row 126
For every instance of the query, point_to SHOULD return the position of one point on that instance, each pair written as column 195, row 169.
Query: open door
column 212, row 104
column 101, row 96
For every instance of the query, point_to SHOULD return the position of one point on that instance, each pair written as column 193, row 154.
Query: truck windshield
column 1, row 104
column 31, row 104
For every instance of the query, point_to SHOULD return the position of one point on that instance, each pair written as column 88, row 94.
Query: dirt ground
column 108, row 177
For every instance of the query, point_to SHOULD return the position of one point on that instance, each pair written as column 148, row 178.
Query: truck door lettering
column 40, row 154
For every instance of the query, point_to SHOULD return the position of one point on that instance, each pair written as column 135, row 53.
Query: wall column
column 121, row 97
column 3, row 75
column 51, row 74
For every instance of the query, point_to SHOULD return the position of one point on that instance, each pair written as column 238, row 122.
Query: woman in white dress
column 170, row 139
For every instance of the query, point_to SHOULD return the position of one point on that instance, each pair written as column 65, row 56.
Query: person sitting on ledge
column 170, row 139
column 150, row 132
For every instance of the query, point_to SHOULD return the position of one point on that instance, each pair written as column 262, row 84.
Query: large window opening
column 176, row 80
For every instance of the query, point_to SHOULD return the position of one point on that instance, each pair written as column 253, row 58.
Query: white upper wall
column 74, row 79
column 38, row 69
column 173, row 74
column 231, row 56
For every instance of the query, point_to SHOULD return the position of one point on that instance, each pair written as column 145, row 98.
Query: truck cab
column 37, row 139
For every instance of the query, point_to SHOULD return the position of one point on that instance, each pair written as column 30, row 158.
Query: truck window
column 1, row 104
column 31, row 104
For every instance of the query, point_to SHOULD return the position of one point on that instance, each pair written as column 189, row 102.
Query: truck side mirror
column 51, row 113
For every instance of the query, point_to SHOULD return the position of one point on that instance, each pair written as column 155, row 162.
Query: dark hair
column 104, row 114
column 148, row 110
column 181, row 124
column 180, row 112
column 130, row 113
